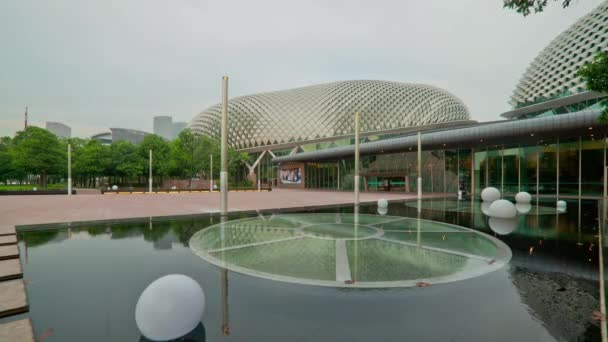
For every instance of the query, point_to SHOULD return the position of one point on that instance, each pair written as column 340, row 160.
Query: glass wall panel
column 592, row 156
column 568, row 168
column 547, row 166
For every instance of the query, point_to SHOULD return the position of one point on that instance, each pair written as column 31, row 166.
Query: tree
column 525, row 7
column 38, row 151
column 126, row 161
column 7, row 169
column 595, row 74
column 90, row 160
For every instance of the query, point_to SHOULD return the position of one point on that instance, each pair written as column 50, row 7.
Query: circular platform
column 344, row 250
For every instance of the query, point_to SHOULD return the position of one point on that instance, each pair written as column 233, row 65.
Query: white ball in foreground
column 523, row 197
column 502, row 209
column 562, row 204
column 382, row 203
column 523, row 208
column 490, row 194
column 114, row 187
column 35, row 189
column 170, row 307
column 502, row 226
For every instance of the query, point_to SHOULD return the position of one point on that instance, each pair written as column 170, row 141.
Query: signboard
column 290, row 174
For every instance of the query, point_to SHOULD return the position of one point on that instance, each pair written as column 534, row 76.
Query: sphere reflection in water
column 170, row 307
column 502, row 226
column 485, row 208
column 502, row 209
column 523, row 197
column 523, row 208
column 382, row 211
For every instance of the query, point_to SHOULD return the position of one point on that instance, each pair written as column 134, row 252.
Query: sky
column 97, row 64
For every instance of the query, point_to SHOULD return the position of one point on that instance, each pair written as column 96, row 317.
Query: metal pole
column 519, row 170
column 357, row 119
column 69, row 169
column 557, row 171
column 487, row 167
column 419, row 166
column 537, row 174
column 458, row 171
column 211, row 172
column 444, row 174
column 502, row 171
column 472, row 172
column 258, row 177
column 150, row 176
column 224, row 149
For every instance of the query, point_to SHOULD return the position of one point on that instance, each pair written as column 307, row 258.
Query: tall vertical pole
column 472, row 173
column 502, row 171
column 259, row 178
column 557, row 171
column 224, row 149
column 69, row 169
column 357, row 119
column 458, row 170
column 605, row 171
column 211, row 172
column 519, row 169
column 150, row 176
column 419, row 166
column 487, row 180
column 25, row 122
column 537, row 174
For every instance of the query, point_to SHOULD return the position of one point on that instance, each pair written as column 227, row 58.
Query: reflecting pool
column 84, row 280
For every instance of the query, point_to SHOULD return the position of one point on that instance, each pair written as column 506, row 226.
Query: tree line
column 37, row 155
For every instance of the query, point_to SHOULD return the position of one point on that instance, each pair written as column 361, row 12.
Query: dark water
column 84, row 282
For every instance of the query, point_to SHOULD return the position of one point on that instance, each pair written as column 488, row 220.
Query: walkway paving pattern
column 40, row 209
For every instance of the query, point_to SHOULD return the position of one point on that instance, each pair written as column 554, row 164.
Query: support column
column 224, row 149
column 487, row 167
column 458, row 170
column 357, row 119
column 557, row 171
column 502, row 171
column 69, row 169
column 419, row 166
column 444, row 174
column 472, row 173
column 519, row 169
column 537, row 174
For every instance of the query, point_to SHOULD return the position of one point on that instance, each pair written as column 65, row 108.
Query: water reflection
column 502, row 226
column 196, row 335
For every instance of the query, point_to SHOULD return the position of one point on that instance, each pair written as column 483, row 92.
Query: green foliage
column 525, row 7
column 38, row 151
column 595, row 74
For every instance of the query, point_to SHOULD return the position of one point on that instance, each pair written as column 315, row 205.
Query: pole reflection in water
column 418, row 235
column 355, row 274
column 225, row 317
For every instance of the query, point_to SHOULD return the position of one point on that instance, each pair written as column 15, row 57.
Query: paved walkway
column 19, row 210
column 25, row 210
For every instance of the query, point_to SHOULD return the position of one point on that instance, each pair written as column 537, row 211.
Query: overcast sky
column 96, row 64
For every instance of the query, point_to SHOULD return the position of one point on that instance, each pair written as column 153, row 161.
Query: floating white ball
column 523, row 197
column 502, row 226
column 490, row 194
column 502, row 209
column 382, row 203
column 35, row 189
column 523, row 208
column 170, row 307
column 114, row 187
column 562, row 204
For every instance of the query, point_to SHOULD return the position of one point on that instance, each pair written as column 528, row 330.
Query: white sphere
column 485, row 208
column 502, row 209
column 114, row 187
column 502, row 226
column 523, row 197
column 174, row 188
column 562, row 204
column 170, row 307
column 35, row 189
column 382, row 211
column 523, row 208
column 490, row 194
column 382, row 203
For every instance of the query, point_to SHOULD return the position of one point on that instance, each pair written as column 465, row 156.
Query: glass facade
column 564, row 168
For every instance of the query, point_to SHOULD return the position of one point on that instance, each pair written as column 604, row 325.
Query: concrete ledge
column 17, row 331
column 10, row 269
column 13, row 299
column 7, row 230
column 9, row 252
column 6, row 240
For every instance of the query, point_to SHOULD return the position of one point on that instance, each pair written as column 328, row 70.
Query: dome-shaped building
column 325, row 112
column 552, row 74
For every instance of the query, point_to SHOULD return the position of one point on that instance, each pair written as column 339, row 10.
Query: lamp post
column 419, row 165
column 224, row 149
column 211, row 172
column 69, row 169
column 150, row 176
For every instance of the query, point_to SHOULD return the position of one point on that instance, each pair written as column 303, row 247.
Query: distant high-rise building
column 116, row 134
column 163, row 126
column 178, row 127
column 59, row 129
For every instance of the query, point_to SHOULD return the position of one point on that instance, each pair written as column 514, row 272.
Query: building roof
column 480, row 135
